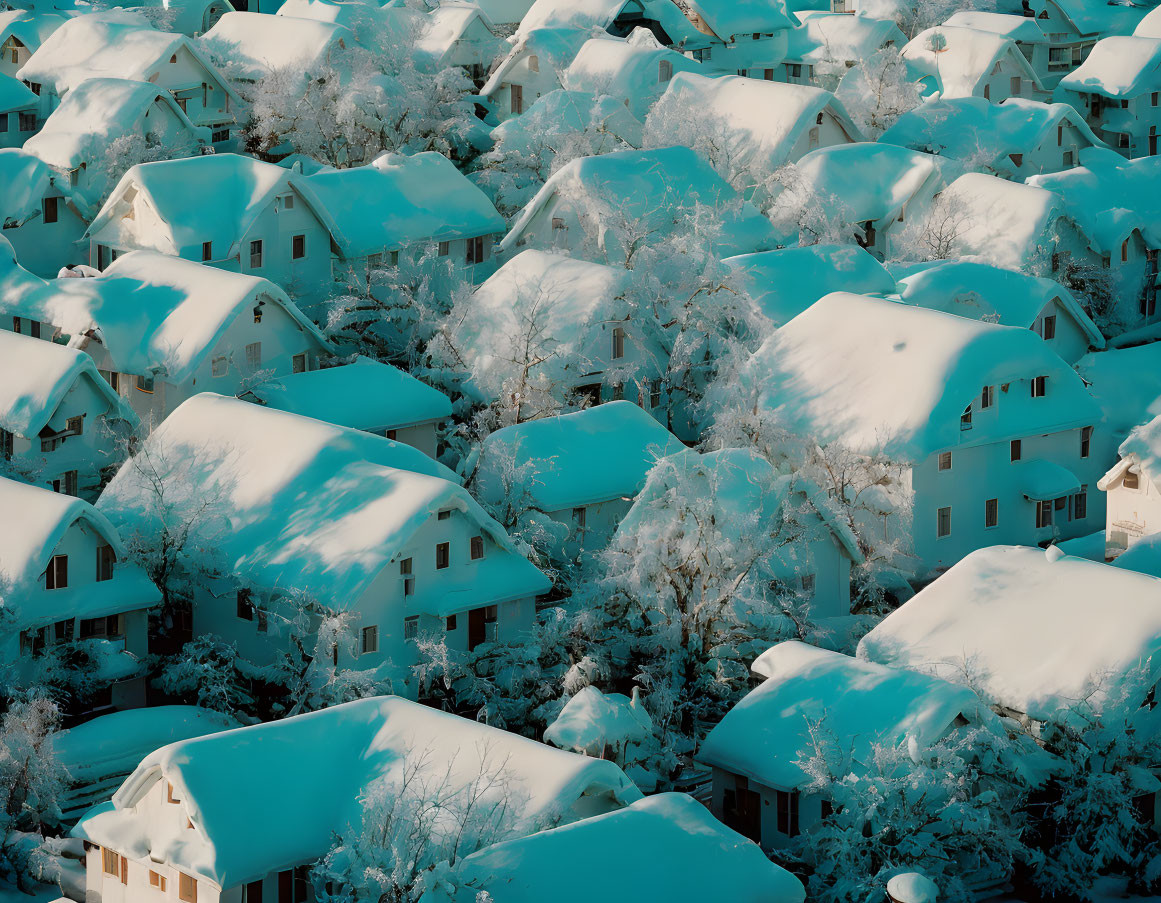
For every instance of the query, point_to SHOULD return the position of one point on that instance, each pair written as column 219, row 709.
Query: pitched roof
column 839, row 37
column 24, row 181
column 1126, row 383
column 856, row 704
column 959, row 59
column 1118, row 67
column 596, row 455
column 556, row 46
column 325, row 763
column 626, row 69
column 15, row 96
column 29, row 27
column 976, row 621
column 258, row 43
column 738, row 17
column 1021, row 29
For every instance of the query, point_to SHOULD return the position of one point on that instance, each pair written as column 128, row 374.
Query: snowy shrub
column 209, row 673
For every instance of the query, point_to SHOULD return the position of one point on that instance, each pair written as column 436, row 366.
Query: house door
column 1152, row 144
column 476, row 629
column 743, row 810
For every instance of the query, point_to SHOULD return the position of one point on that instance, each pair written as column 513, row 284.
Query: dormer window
column 987, row 397
column 172, row 59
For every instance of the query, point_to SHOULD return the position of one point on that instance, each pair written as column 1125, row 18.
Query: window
column 245, row 604
column 56, row 576
column 991, row 513
column 298, row 363
column 66, row 484
column 813, row 137
column 254, row 355
column 1043, row 514
column 1068, row 158
column 371, row 639
column 1049, row 328
column 411, row 627
column 1015, row 87
column 1080, row 504
column 106, row 558
column 787, row 812
column 1017, row 159
column 256, row 254
column 443, row 515
column 794, row 70
column 444, row 248
column 943, row 522
column 477, row 548
column 1017, row 449
column 34, row 87
column 297, row 247
column 6, row 444
column 50, row 207
column 442, row 555
column 207, row 250
column 156, row 880
column 3, row 122
column 187, row 888
column 578, row 518
column 1085, row 441
column 1038, row 386
column 987, row 397
column 945, row 460
column 965, row 419
column 1125, row 251
column 516, row 93
column 475, row 252
column 391, row 434
column 807, row 582
column 533, row 63
column 768, row 74
column 664, row 71
column 618, row 342
column 145, row 384
column 408, row 580
column 219, row 135
column 451, row 623
column 1132, row 480
column 110, row 862
column 1153, row 98
column 655, row 393
column 64, row 630
column 220, row 366
column 26, row 122
column 1106, row 260
column 254, row 892
column 286, row 887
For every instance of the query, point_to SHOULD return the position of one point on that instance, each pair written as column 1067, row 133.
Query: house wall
column 809, row 808
column 533, row 84
column 997, row 85
column 44, row 248
column 1071, row 342
column 11, row 134
column 1131, row 513
column 1130, row 128
column 601, row 521
column 824, row 558
column 13, row 55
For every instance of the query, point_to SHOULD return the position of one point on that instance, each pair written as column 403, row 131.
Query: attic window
column 1017, row 159
column 173, row 58
column 987, row 397
column 106, row 558
column 288, row 202
column 169, row 797
column 1132, row 480
column 56, row 575
column 533, row 63
column 443, row 515
column 51, row 209
column 220, row 366
column 207, row 250
column 1039, row 386
column 258, row 312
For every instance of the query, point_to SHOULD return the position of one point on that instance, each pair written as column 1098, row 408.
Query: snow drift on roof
column 959, row 59
column 592, row 720
column 728, row 18
column 564, row 112
column 24, row 181
column 258, row 43
column 1117, row 67
column 1019, row 28
column 29, row 27
column 15, row 95
column 839, row 37
column 628, row 70
column 1126, row 383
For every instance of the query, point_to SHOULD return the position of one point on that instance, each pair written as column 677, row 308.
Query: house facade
column 1132, row 498
column 18, row 105
column 40, row 220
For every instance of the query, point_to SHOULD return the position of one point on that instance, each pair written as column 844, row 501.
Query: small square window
column 75, row 425
column 370, row 639
column 477, row 548
column 442, row 555
column 443, row 515
column 411, row 627
column 444, row 248
column 943, row 522
column 945, row 460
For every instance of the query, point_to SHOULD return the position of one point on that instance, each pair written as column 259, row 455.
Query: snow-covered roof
column 598, row 15
column 1091, row 18
column 160, row 314
column 215, row 197
column 397, row 201
column 323, row 764
column 959, row 59
column 363, row 395
column 1002, row 222
column 1143, row 446
column 1110, row 196
column 24, row 182
column 1126, row 383
column 505, row 12
column 728, row 18
column 653, row 185
column 592, row 720
column 28, row 542
column 115, row 43
column 373, row 26
column 786, row 282
column 758, row 122
column 1118, row 67
column 1143, row 556
column 869, row 181
column 35, row 376
column 877, row 374
column 367, row 497
column 554, row 47
column 1150, row 26
column 596, row 455
column 979, row 622
column 563, row 112
column 1021, row 29
column 666, row 847
column 973, row 128
column 448, row 24
column 259, row 43
column 839, row 37
column 29, row 27
column 980, row 291
column 626, row 69
column 18, row 287
column 853, row 704
column 15, row 96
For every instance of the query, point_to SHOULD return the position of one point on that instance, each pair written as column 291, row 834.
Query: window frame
column 942, row 518
column 56, row 575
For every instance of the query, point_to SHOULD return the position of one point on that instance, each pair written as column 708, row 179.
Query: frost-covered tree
column 804, row 215
column 209, row 673
column 936, row 234
column 877, row 91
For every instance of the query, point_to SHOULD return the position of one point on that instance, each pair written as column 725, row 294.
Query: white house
column 826, row 45
column 1117, row 90
column 871, row 188
column 748, row 127
column 459, row 33
column 737, row 36
column 949, row 630
column 38, row 216
column 1132, row 493
column 665, row 847
column 756, row 752
column 363, row 395
column 66, row 583
column 786, row 282
column 22, row 31
column 1113, row 201
column 533, row 67
column 1017, row 139
column 18, row 106
column 375, row 28
column 578, row 207
column 992, row 429
column 120, row 44
column 582, row 470
column 77, row 138
column 191, row 821
column 256, row 44
column 573, row 323
column 417, row 208
column 60, row 422
column 979, row 291
column 225, row 210
column 1048, row 62
column 636, row 70
column 966, row 62
column 345, row 520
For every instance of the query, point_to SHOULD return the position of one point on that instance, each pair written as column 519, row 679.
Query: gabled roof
column 572, row 460
column 786, row 282
column 363, row 395
column 325, row 763
column 1022, row 29
column 258, row 43
column 447, row 24
column 309, row 506
column 975, row 623
column 728, row 18
column 840, row 37
column 879, row 375
column 1126, row 383
column 1097, row 18
column 959, row 59
column 626, row 69
column 853, row 704
column 18, row 287
column 35, row 376
column 29, row 27
column 759, row 122
column 665, row 847
column 398, row 201
column 1150, row 26
column 160, row 314
column 15, row 96
column 1118, row 67
column 24, row 182
column 555, row 48
column 374, row 27
column 597, row 15
column 980, row 291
